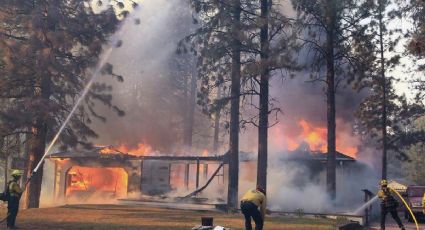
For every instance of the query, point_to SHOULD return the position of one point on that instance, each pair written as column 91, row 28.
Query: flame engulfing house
column 106, row 173
column 85, row 175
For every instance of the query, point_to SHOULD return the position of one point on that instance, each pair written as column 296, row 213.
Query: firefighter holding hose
column 15, row 193
column 253, row 200
column 388, row 205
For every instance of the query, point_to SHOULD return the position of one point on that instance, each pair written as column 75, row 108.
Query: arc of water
column 106, row 55
column 74, row 108
column 365, row 205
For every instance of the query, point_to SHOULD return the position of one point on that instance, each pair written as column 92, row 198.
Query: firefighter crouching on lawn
column 388, row 205
column 250, row 203
column 15, row 193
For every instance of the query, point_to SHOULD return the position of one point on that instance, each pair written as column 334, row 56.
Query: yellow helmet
column 17, row 172
column 383, row 183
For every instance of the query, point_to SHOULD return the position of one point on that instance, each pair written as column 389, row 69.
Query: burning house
column 110, row 174
column 104, row 172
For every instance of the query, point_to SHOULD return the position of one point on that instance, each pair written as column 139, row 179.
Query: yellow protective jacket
column 423, row 204
column 387, row 199
column 258, row 198
column 15, row 189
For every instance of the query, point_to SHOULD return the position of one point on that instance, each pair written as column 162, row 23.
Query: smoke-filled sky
column 150, row 100
column 146, row 95
column 147, row 91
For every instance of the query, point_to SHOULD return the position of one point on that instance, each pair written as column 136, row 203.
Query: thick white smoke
column 143, row 60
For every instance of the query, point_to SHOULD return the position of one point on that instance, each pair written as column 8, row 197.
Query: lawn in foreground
column 142, row 217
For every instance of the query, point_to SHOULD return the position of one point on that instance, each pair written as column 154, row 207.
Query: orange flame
column 177, row 175
column 90, row 179
column 140, row 150
column 205, row 153
column 314, row 136
column 291, row 136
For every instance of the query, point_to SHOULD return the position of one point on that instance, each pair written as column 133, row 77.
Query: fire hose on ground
column 407, row 207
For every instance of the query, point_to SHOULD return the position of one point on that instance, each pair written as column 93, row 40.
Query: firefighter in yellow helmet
column 15, row 193
column 388, row 205
column 253, row 200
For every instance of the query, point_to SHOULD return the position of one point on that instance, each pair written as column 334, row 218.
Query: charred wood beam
column 130, row 157
column 206, row 185
column 183, row 158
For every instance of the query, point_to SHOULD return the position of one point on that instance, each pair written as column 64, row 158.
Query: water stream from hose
column 365, row 205
column 74, row 108
column 98, row 69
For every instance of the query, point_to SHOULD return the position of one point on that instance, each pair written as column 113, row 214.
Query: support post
column 186, row 176
column 55, row 181
column 367, row 196
column 206, row 172
column 197, row 173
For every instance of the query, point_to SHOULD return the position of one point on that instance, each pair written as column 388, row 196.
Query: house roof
column 96, row 153
column 316, row 156
column 299, row 154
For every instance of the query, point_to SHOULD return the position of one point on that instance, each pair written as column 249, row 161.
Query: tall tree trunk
column 190, row 112
column 4, row 155
column 192, row 108
column 6, row 168
column 189, row 98
column 232, row 197
column 264, row 96
column 330, row 81
column 384, row 93
column 37, row 149
column 217, row 122
column 26, row 155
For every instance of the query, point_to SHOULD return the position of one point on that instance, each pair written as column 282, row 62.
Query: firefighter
column 423, row 203
column 15, row 193
column 250, row 203
column 388, row 205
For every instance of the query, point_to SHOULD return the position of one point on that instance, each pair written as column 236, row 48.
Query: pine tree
column 47, row 50
column 332, row 30
column 386, row 115
column 215, row 44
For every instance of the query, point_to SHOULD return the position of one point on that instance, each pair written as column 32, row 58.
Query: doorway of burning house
column 84, row 186
column 63, row 165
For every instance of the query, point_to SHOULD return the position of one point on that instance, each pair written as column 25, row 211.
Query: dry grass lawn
column 142, row 217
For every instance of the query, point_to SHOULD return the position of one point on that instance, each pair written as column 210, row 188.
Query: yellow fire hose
column 407, row 206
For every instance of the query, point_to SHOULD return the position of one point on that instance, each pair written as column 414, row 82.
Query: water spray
column 365, row 205
column 115, row 43
column 80, row 99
